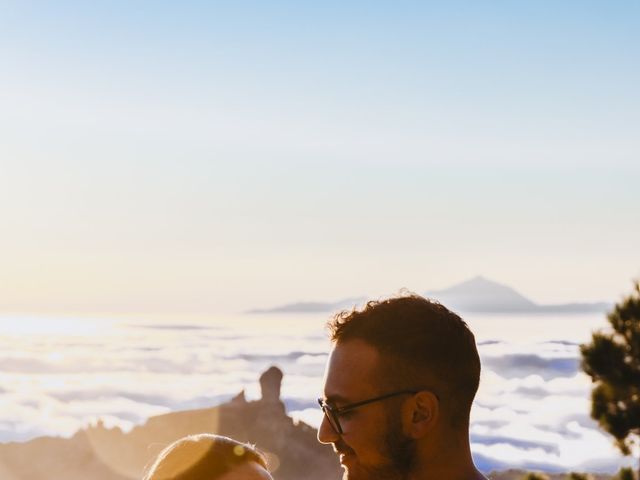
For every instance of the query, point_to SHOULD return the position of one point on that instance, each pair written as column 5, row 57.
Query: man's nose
column 326, row 433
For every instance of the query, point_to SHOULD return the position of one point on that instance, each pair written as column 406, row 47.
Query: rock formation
column 270, row 382
column 100, row 453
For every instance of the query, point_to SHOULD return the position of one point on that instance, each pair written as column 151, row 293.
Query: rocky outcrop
column 101, row 453
column 270, row 383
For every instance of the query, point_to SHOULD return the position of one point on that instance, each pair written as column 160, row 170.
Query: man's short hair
column 423, row 345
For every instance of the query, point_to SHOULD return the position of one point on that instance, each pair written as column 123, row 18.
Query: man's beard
column 400, row 451
column 400, row 448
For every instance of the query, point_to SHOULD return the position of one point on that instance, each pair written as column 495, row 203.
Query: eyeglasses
column 333, row 413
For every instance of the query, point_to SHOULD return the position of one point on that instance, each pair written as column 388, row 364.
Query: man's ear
column 421, row 414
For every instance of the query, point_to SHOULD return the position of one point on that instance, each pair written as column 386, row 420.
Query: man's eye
column 347, row 414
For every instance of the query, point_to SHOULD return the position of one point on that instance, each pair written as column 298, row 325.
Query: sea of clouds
column 60, row 375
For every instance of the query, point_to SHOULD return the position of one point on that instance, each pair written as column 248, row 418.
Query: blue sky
column 221, row 156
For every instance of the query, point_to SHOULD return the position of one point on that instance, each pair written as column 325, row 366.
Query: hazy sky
column 213, row 156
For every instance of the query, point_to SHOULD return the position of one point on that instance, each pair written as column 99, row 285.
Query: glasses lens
column 332, row 417
column 333, row 420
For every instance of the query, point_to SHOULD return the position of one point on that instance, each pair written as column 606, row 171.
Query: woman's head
column 209, row 457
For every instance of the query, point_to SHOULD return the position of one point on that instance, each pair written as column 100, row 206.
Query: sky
column 220, row 156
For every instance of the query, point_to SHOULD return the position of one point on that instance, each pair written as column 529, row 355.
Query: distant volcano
column 482, row 295
column 476, row 295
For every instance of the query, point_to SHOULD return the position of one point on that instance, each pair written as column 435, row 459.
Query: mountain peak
column 481, row 294
column 480, row 280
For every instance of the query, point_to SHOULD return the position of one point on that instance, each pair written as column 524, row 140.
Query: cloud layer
column 532, row 410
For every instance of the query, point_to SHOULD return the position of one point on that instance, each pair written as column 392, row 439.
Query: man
column 398, row 389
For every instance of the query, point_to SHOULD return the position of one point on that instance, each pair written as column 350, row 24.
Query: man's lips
column 342, row 449
column 344, row 452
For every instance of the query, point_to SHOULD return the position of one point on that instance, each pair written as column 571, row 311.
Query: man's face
column 373, row 445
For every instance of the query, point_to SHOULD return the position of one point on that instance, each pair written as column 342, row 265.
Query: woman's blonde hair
column 202, row 457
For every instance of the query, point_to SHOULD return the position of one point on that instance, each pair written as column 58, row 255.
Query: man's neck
column 451, row 463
